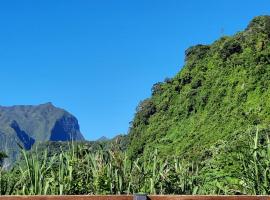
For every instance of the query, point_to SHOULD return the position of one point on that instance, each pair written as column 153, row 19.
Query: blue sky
column 98, row 59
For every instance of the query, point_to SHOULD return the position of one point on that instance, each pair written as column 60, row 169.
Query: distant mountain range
column 103, row 139
column 26, row 125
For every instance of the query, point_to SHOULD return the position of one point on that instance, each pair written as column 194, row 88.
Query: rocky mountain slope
column 26, row 125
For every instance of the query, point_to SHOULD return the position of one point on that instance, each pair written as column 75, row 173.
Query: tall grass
column 256, row 164
column 81, row 171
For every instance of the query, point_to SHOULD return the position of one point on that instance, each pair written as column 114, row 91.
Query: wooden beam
column 217, row 197
column 129, row 197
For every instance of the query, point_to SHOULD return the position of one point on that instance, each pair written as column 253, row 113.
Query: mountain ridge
column 24, row 125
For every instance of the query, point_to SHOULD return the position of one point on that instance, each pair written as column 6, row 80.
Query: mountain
column 26, row 125
column 220, row 95
column 204, row 131
column 102, row 139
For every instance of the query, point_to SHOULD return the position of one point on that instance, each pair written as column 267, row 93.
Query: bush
column 144, row 111
column 157, row 88
column 229, row 48
column 260, row 24
column 2, row 157
column 196, row 52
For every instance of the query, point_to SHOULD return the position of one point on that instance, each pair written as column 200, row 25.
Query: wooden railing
column 123, row 197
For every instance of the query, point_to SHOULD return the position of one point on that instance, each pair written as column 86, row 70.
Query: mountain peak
column 47, row 104
column 27, row 124
column 103, row 139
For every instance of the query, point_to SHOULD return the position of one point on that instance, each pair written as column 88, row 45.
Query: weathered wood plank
column 129, row 197
column 189, row 197
column 69, row 197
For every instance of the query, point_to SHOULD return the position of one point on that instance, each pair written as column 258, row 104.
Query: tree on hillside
column 2, row 157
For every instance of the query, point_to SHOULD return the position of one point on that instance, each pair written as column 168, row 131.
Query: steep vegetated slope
column 221, row 93
column 205, row 131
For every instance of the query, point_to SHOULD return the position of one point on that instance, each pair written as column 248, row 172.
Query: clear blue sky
column 98, row 59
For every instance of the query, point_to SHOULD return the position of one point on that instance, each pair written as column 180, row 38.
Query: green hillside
column 222, row 92
column 204, row 131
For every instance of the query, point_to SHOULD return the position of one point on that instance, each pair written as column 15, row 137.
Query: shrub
column 196, row 52
column 229, row 48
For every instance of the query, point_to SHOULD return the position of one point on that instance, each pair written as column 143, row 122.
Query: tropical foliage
column 204, row 131
column 80, row 171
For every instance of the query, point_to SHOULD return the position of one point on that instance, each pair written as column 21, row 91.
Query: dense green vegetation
column 2, row 157
column 78, row 170
column 204, row 131
column 222, row 92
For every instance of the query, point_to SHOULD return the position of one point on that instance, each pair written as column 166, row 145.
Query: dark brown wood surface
column 123, row 197
column 209, row 197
